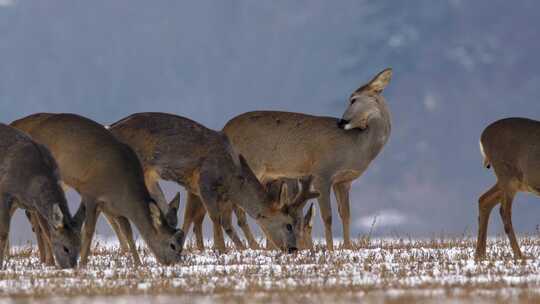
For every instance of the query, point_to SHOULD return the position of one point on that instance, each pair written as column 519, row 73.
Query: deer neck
column 144, row 224
column 372, row 140
column 254, row 207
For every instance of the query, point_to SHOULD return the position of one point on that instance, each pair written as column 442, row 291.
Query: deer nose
column 293, row 249
column 342, row 122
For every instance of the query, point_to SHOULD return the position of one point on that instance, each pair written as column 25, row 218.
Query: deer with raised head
column 293, row 192
column 511, row 147
column 108, row 176
column 202, row 160
column 335, row 151
column 29, row 180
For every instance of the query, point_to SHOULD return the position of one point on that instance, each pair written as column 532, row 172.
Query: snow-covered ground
column 433, row 270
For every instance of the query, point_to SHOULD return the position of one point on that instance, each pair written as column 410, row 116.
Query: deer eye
column 289, row 227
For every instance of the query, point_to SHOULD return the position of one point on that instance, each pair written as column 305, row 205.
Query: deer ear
column 379, row 82
column 155, row 213
column 79, row 217
column 57, row 217
column 172, row 213
column 308, row 219
column 175, row 202
column 283, row 198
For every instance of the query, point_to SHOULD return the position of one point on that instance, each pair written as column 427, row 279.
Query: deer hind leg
column 486, row 202
column 506, row 214
column 194, row 214
column 127, row 232
column 89, row 229
column 226, row 223
column 341, row 192
column 242, row 222
column 122, row 239
column 326, row 213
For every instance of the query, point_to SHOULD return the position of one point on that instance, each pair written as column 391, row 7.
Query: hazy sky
column 458, row 65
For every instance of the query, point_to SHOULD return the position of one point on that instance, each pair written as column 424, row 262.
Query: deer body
column 511, row 147
column 178, row 149
column 335, row 152
column 29, row 180
column 108, row 176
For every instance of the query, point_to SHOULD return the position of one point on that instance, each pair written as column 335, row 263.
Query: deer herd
column 265, row 164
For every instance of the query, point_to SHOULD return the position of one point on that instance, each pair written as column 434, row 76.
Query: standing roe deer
column 512, row 147
column 284, row 144
column 29, row 180
column 178, row 149
column 108, row 176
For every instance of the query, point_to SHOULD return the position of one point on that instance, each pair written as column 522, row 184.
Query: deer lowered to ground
column 202, row 160
column 29, row 180
column 294, row 192
column 108, row 176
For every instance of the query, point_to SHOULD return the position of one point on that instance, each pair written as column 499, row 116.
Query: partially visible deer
column 296, row 192
column 108, row 176
column 178, row 149
column 335, row 151
column 29, row 180
column 512, row 147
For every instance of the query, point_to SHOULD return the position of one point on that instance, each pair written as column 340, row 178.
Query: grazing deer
column 294, row 199
column 29, row 180
column 512, row 147
column 334, row 151
column 109, row 178
column 178, row 149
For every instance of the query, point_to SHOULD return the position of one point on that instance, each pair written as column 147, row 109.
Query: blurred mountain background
column 458, row 65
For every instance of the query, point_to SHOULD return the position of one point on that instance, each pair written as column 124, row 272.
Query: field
column 380, row 270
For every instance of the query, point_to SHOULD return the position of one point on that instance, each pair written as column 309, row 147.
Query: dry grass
column 379, row 270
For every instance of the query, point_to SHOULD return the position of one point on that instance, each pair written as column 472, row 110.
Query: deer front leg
column 194, row 214
column 210, row 202
column 226, row 218
column 6, row 204
column 122, row 239
column 326, row 212
column 127, row 232
column 486, row 202
column 506, row 214
column 47, row 242
column 36, row 229
column 242, row 222
column 89, row 229
column 341, row 192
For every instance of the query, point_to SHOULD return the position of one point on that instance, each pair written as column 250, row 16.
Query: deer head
column 49, row 199
column 292, row 203
column 366, row 103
